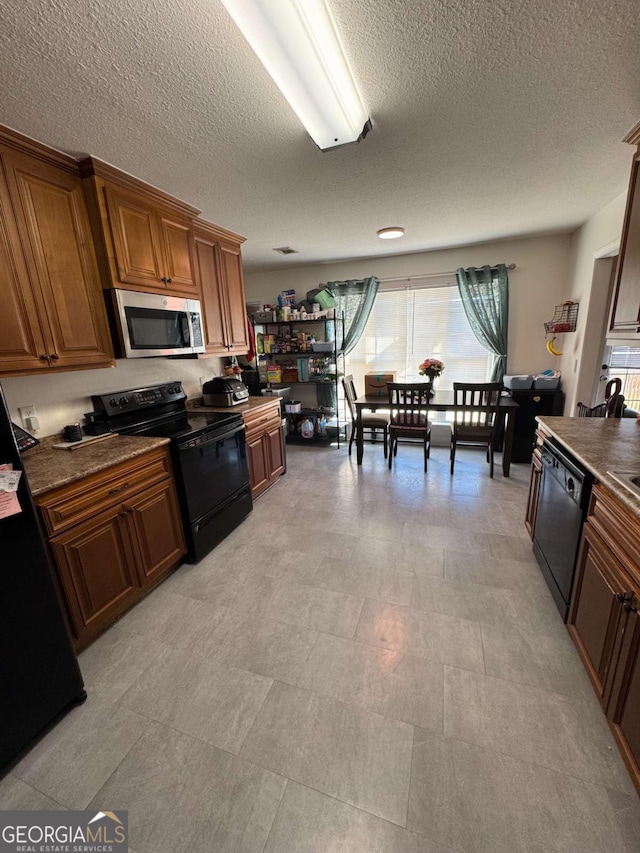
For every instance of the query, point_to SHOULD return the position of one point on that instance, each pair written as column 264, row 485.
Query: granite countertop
column 601, row 444
column 252, row 403
column 48, row 468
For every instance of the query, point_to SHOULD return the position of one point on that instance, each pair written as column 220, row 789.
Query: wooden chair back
column 481, row 400
column 350, row 394
column 409, row 403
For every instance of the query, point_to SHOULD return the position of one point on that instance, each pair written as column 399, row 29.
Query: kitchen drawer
column 78, row 501
column 618, row 527
column 263, row 419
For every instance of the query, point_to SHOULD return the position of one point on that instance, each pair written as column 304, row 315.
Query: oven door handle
column 185, row 448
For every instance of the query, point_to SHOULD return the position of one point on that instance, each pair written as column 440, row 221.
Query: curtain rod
column 431, row 275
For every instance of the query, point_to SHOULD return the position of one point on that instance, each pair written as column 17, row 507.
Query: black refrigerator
column 39, row 673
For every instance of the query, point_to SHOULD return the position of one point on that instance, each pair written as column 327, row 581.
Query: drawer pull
column 119, row 489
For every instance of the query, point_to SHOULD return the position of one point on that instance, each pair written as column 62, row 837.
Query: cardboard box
column 375, row 384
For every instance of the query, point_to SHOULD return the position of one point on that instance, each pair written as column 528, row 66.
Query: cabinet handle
column 118, row 489
column 163, row 279
column 169, row 280
column 626, row 600
column 44, row 357
column 54, row 356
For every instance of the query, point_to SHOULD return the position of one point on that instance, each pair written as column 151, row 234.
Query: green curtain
column 354, row 301
column 485, row 297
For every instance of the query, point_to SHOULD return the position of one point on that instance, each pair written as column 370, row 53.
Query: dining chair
column 409, row 403
column 371, row 423
column 475, row 423
column 613, row 406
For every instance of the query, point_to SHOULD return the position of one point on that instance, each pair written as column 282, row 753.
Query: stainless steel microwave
column 152, row 324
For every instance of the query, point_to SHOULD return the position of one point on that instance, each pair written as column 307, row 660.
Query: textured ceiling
column 491, row 118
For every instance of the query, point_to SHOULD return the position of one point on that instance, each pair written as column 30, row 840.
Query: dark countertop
column 48, row 468
column 196, row 405
column 601, row 444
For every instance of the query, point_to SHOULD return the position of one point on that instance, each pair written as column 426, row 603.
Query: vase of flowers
column 431, row 368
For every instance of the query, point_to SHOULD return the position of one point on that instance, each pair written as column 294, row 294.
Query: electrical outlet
column 27, row 412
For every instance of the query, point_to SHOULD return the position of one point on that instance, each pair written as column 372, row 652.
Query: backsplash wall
column 63, row 398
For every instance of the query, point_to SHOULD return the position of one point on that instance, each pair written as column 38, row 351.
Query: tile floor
column 370, row 664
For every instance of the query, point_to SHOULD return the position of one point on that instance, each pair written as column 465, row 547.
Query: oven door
column 214, row 467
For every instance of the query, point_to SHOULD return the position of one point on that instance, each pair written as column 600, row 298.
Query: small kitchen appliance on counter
column 224, row 391
column 208, row 451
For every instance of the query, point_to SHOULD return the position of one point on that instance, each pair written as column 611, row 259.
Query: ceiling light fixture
column 298, row 44
column 390, row 233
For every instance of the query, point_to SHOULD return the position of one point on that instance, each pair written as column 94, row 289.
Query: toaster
column 224, row 391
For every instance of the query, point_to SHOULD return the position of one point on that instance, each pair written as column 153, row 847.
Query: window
column 624, row 363
column 410, row 323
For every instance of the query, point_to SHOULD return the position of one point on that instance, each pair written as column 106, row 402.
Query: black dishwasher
column 563, row 500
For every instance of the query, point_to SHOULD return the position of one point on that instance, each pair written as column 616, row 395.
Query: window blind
column 628, row 357
column 409, row 323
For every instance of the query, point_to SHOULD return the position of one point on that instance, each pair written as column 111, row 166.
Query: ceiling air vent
column 286, row 250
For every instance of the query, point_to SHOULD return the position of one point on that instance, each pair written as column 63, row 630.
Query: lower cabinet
column 603, row 619
column 113, row 537
column 265, row 446
column 534, row 482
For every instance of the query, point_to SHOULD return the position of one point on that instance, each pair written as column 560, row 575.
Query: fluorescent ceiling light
column 298, row 44
column 390, row 233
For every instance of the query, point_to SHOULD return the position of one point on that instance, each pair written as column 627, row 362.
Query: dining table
column 443, row 401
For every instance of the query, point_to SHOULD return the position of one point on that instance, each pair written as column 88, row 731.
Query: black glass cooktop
column 185, row 426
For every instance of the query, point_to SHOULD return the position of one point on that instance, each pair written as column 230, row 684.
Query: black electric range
column 208, row 452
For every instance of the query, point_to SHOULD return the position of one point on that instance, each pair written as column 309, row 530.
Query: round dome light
column 390, row 233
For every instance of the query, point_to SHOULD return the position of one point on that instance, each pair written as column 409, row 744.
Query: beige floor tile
column 16, row 795
column 264, row 646
column 398, row 686
column 435, row 636
column 525, row 654
column 184, row 796
column 405, row 556
column 473, row 799
column 290, row 565
column 354, row 755
column 554, row 731
column 171, row 620
column 627, row 812
column 198, row 696
column 511, row 548
column 75, row 758
column 439, row 537
column 314, row 609
column 310, row 822
column 111, row 665
column 364, row 580
column 493, row 571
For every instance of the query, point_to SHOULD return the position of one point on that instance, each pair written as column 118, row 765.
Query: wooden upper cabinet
column 144, row 236
column 51, row 275
column 219, row 278
column 625, row 314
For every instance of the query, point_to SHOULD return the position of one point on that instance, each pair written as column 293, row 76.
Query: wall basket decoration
column 564, row 319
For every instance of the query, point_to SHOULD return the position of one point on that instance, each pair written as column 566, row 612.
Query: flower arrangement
column 431, row 367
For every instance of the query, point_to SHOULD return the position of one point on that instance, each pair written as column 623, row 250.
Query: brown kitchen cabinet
column 265, row 446
column 53, row 316
column 625, row 313
column 144, row 237
column 114, row 535
column 603, row 619
column 220, row 280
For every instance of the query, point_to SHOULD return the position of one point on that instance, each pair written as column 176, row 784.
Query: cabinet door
column 54, row 226
column 596, row 618
column 624, row 710
column 22, row 347
column 213, row 296
column 257, row 454
column 136, row 242
column 177, row 241
column 156, row 531
column 274, row 441
column 98, row 576
column 626, row 306
column 236, row 311
column 534, row 490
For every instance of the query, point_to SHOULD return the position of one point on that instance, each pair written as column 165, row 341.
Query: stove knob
column 123, row 401
column 113, row 403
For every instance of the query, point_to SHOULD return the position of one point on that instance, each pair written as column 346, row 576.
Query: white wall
column 63, row 398
column 589, row 285
column 540, row 280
